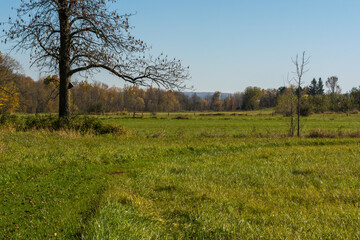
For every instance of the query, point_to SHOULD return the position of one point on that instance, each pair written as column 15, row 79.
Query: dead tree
column 73, row 36
column 300, row 65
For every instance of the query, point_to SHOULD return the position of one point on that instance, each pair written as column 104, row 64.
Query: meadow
column 226, row 124
column 184, row 176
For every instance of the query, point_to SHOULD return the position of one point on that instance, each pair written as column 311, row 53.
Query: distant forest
column 22, row 94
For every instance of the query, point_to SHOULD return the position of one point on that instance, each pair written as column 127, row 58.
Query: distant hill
column 206, row 95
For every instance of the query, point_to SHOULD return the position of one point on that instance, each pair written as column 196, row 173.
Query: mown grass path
column 170, row 187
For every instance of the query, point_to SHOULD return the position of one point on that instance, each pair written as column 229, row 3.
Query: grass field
column 243, row 124
column 188, row 177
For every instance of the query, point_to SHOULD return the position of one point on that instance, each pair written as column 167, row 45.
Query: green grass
column 49, row 184
column 236, row 190
column 243, row 124
column 170, row 182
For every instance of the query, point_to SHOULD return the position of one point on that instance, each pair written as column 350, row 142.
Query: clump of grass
column 240, row 135
column 181, row 117
column 355, row 134
column 212, row 114
column 158, row 134
column 319, row 133
column 82, row 125
column 211, row 134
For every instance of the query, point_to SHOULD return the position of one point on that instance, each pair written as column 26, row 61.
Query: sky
column 232, row 44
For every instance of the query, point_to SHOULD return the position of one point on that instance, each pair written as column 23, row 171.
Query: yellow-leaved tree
column 9, row 98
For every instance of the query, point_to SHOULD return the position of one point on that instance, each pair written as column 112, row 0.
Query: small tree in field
column 73, row 36
column 286, row 103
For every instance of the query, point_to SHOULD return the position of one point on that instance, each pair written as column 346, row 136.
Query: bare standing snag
column 300, row 65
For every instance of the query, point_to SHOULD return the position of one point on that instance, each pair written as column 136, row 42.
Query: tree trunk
column 292, row 126
column 64, row 97
column 64, row 61
column 298, row 113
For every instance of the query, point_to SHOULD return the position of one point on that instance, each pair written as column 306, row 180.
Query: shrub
column 318, row 133
column 83, row 125
column 181, row 117
column 7, row 119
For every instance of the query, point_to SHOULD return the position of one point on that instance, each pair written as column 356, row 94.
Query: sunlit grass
column 237, row 189
column 233, row 124
column 181, row 179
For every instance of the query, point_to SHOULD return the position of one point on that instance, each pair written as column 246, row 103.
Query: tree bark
column 64, row 61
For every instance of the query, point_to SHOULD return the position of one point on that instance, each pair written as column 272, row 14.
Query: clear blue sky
column 232, row 44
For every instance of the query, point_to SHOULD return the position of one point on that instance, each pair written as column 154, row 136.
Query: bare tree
column 300, row 65
column 73, row 36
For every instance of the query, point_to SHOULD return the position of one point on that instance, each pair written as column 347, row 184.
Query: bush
column 286, row 104
column 181, row 117
column 305, row 106
column 7, row 119
column 318, row 133
column 82, row 125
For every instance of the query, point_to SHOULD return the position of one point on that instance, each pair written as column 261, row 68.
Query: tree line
column 68, row 37
column 19, row 93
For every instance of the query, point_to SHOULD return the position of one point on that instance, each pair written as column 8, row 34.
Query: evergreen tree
column 320, row 87
column 313, row 88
